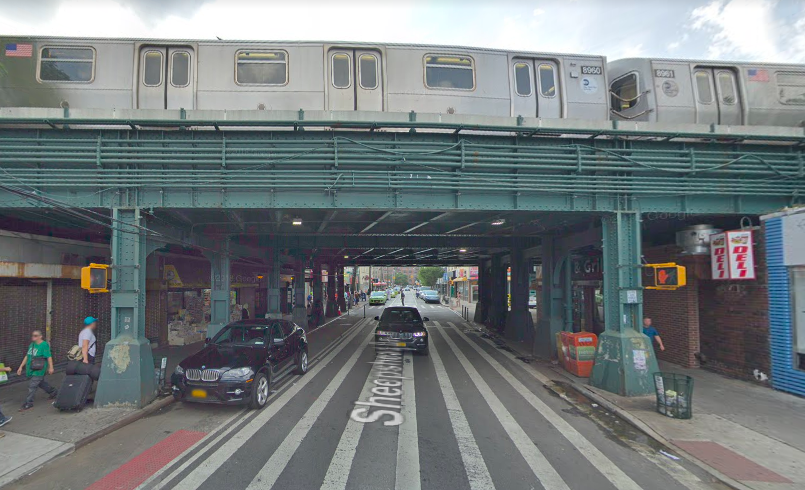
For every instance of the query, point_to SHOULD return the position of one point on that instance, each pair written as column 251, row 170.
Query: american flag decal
column 19, row 50
column 757, row 75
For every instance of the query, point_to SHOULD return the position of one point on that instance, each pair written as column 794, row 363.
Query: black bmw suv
column 401, row 327
column 238, row 365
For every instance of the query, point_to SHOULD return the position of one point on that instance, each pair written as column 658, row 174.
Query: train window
column 180, row 70
column 522, row 79
column 449, row 71
column 63, row 64
column 547, row 80
column 368, row 71
column 152, row 69
column 624, row 93
column 261, row 68
column 791, row 87
column 703, row 88
column 726, row 87
column 342, row 71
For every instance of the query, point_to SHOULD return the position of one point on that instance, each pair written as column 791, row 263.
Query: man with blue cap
column 87, row 341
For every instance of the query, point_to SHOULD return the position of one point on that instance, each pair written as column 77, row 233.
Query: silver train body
column 243, row 75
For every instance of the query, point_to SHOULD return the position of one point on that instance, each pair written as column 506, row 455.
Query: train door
column 166, row 78
column 535, row 88
column 718, row 100
column 355, row 80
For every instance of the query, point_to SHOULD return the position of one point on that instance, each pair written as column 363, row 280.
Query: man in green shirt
column 36, row 379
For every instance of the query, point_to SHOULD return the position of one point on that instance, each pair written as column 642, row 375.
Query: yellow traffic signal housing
column 95, row 278
column 668, row 276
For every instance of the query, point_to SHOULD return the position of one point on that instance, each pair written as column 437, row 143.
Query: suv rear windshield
column 242, row 335
column 393, row 315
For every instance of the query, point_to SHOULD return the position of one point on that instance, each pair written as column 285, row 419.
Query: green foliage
column 429, row 275
column 400, row 279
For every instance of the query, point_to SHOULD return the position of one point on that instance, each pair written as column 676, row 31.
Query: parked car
column 377, row 298
column 532, row 301
column 430, row 296
column 401, row 327
column 422, row 290
column 240, row 363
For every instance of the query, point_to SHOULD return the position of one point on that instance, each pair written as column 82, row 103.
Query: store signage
column 587, row 268
column 732, row 255
column 473, row 273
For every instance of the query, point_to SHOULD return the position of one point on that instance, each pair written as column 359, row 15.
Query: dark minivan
column 401, row 327
column 238, row 365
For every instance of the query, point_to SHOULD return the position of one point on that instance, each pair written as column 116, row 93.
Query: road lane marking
column 271, row 471
column 204, row 470
column 612, row 473
column 540, row 466
column 474, row 465
column 408, row 476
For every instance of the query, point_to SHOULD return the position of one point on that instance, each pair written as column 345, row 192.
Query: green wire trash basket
column 674, row 395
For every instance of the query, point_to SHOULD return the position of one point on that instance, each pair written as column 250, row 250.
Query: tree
column 429, row 275
column 400, row 279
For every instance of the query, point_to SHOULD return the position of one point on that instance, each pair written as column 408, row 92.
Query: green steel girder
column 419, row 171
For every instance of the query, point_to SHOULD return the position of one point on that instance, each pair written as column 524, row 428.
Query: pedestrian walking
column 37, row 362
column 402, row 297
column 3, row 419
column 653, row 334
column 87, row 340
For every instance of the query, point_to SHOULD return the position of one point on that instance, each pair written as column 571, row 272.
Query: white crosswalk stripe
column 540, row 466
column 214, row 461
column 408, row 477
column 271, row 471
column 596, row 457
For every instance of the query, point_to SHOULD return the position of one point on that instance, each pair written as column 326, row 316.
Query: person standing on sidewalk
column 87, row 340
column 653, row 334
column 37, row 362
column 3, row 419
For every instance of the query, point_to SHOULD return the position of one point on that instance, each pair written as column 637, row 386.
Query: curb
column 156, row 405
column 633, row 421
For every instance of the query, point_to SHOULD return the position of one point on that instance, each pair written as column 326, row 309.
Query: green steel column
column 127, row 372
column 299, row 314
column 624, row 360
column 498, row 304
column 220, row 288
column 482, row 306
column 550, row 306
column 274, row 309
column 519, row 324
column 332, row 306
column 318, row 296
column 342, row 303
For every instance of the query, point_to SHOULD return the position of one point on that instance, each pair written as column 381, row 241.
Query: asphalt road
column 467, row 416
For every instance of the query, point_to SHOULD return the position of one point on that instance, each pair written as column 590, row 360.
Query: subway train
column 237, row 75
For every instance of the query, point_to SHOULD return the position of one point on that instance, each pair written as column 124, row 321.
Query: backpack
column 75, row 354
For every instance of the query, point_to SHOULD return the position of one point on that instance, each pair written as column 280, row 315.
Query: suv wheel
column 260, row 392
column 301, row 362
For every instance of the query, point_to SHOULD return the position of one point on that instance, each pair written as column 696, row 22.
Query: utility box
column 578, row 352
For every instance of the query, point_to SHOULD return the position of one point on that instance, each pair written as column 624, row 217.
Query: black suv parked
column 239, row 364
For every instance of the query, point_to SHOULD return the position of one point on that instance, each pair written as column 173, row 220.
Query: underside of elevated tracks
column 330, row 190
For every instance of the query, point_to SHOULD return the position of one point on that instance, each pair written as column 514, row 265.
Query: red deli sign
column 732, row 255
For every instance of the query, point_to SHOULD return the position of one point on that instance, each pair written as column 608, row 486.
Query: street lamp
column 297, row 221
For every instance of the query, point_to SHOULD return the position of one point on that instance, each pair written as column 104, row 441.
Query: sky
column 761, row 30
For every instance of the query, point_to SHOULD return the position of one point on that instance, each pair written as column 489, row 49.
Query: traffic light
column 668, row 276
column 95, row 278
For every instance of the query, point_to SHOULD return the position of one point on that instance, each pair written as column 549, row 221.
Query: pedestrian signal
column 668, row 276
column 95, row 278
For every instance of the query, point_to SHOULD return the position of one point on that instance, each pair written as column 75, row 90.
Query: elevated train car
column 707, row 92
column 150, row 74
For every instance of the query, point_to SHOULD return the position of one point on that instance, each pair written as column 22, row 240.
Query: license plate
column 400, row 344
column 199, row 393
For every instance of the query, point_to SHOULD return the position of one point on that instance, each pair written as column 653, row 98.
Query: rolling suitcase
column 73, row 392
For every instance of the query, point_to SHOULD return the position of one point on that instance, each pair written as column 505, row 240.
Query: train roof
column 711, row 62
column 241, row 42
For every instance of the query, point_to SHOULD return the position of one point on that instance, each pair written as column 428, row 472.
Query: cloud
column 538, row 12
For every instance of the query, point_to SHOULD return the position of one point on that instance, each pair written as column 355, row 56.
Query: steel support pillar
column 624, row 360
column 220, row 288
column 498, row 306
column 127, row 371
column 274, row 291
column 482, row 306
column 299, row 314
column 550, row 307
column 342, row 302
column 519, row 324
column 318, row 293
column 332, row 306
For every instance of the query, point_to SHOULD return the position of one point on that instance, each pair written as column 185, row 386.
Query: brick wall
column 22, row 310
column 734, row 318
column 156, row 313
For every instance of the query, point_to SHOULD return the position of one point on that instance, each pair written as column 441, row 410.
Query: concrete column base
column 299, row 316
column 519, row 325
column 624, row 363
column 480, row 313
column 127, row 374
column 331, row 310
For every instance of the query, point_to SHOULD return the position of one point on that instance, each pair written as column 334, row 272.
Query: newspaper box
column 579, row 352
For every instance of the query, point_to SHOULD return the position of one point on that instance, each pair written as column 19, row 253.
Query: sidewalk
column 43, row 433
column 746, row 435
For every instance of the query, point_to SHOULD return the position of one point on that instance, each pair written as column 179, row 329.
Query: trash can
column 674, row 395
